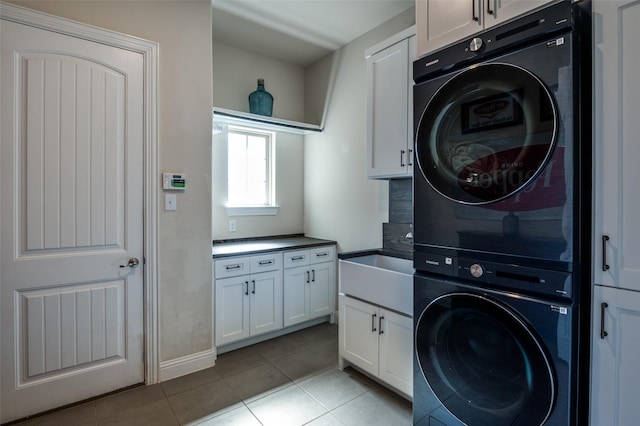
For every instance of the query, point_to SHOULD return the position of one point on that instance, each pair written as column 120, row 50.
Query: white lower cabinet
column 247, row 305
column 264, row 293
column 615, row 357
column 309, row 284
column 377, row 341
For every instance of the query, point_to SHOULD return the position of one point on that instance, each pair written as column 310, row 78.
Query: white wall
column 340, row 202
column 235, row 72
column 235, row 75
column 183, row 31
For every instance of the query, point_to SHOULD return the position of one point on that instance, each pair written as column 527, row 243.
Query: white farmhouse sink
column 382, row 280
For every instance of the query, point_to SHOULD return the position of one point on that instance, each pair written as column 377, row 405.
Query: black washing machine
column 489, row 357
column 502, row 219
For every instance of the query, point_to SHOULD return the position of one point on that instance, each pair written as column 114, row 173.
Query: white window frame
column 270, row 208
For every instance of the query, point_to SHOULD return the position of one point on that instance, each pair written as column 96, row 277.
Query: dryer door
column 486, row 133
column 483, row 363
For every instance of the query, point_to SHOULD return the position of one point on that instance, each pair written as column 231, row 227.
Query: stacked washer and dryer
column 502, row 219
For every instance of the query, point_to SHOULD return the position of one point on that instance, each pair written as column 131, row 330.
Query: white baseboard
column 187, row 364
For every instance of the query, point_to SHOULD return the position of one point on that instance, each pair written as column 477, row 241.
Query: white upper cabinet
column 390, row 107
column 616, row 148
column 443, row 22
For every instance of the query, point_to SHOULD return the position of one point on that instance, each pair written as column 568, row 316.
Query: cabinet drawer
column 266, row 262
column 322, row 254
column 296, row 258
column 232, row 267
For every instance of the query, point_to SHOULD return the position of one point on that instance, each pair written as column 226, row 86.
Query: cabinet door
column 322, row 289
column 443, row 22
column 616, row 150
column 387, row 111
column 265, row 302
column 358, row 340
column 615, row 357
column 232, row 309
column 396, row 350
column 296, row 281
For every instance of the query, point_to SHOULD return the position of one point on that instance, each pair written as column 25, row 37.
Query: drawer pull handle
column 410, row 157
column 230, row 267
column 373, row 323
column 402, row 158
column 308, row 277
column 380, row 325
column 246, row 292
column 313, row 275
column 254, row 287
column 605, row 238
column 265, row 262
column 323, row 254
column 603, row 307
column 294, row 258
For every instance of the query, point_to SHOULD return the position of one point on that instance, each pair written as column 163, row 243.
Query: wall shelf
column 239, row 118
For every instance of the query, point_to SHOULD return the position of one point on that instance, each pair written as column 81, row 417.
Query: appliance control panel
column 519, row 278
column 545, row 23
column 524, row 279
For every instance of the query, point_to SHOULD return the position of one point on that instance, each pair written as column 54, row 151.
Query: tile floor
column 291, row 380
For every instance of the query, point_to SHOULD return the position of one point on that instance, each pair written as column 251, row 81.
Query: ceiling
column 299, row 32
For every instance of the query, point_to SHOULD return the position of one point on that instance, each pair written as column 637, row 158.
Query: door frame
column 149, row 52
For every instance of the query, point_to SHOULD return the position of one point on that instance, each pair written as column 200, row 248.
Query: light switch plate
column 170, row 202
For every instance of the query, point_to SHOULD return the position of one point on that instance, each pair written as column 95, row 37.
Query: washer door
column 483, row 363
column 486, row 133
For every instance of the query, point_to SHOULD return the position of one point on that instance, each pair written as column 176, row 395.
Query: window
column 250, row 171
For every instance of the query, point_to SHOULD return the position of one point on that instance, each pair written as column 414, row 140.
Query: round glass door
column 482, row 362
column 486, row 133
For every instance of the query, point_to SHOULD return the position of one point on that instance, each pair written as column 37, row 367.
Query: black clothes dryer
column 500, row 145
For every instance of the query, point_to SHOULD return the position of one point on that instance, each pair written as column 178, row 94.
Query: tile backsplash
column 394, row 233
column 400, row 201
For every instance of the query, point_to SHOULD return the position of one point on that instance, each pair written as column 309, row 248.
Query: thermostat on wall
column 174, row 181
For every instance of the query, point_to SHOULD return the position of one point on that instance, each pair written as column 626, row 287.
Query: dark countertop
column 243, row 247
column 384, row 252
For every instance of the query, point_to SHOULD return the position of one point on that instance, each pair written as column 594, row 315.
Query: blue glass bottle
column 261, row 101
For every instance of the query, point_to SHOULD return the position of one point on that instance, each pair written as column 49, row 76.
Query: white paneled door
column 71, row 218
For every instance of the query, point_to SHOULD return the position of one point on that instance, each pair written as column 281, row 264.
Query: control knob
column 476, row 270
column 476, row 44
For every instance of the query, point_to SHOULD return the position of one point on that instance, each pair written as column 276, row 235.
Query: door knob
column 132, row 263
